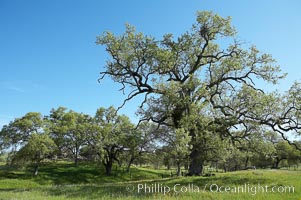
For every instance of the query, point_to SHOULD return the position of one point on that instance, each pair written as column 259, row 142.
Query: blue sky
column 48, row 55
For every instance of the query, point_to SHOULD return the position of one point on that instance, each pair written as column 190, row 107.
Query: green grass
column 64, row 181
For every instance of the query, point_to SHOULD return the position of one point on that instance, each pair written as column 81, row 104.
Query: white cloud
column 21, row 87
column 11, row 86
column 17, row 89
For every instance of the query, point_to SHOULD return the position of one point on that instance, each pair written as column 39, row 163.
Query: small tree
column 179, row 147
column 114, row 129
column 69, row 130
column 283, row 151
column 139, row 141
column 39, row 146
column 18, row 132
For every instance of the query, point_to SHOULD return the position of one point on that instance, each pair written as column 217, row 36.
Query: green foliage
column 114, row 133
column 19, row 131
column 70, row 130
column 180, row 144
column 139, row 141
column 38, row 147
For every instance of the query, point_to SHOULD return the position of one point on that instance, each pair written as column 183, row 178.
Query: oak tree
column 202, row 81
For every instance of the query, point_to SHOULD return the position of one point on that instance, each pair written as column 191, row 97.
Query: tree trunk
column 178, row 168
column 168, row 166
column 225, row 168
column 76, row 161
column 247, row 162
column 108, row 167
column 108, row 163
column 76, row 157
column 196, row 164
column 36, row 169
column 216, row 166
column 277, row 163
column 186, row 166
column 129, row 164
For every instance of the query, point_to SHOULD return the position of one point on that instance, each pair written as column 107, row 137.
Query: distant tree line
column 110, row 139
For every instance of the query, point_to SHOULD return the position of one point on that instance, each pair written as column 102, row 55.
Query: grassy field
column 64, row 181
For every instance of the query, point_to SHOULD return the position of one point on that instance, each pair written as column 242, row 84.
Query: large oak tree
column 203, row 81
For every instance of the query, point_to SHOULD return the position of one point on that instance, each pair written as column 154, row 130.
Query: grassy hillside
column 64, row 181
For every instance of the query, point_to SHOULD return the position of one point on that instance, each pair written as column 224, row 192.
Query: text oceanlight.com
column 215, row 188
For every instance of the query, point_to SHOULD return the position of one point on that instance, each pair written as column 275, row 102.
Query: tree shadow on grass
column 67, row 173
column 90, row 174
